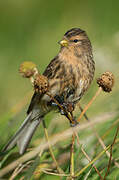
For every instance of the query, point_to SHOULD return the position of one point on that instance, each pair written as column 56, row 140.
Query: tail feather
column 24, row 134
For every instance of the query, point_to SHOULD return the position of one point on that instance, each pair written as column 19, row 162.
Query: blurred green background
column 30, row 30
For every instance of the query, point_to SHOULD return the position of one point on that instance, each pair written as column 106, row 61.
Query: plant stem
column 86, row 155
column 110, row 159
column 91, row 162
column 72, row 157
column 89, row 104
column 50, row 148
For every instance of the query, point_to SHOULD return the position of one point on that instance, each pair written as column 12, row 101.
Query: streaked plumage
column 70, row 74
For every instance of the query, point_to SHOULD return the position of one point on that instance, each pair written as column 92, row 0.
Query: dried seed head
column 40, row 83
column 28, row 69
column 106, row 81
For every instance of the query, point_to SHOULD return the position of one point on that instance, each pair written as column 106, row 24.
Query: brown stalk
column 89, row 104
column 18, row 169
column 70, row 116
column 72, row 157
column 86, row 155
column 56, row 138
column 100, row 140
column 103, row 146
column 55, row 174
column 110, row 159
column 50, row 148
column 91, row 162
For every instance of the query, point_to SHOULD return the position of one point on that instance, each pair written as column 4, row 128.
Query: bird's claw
column 74, row 123
column 68, row 106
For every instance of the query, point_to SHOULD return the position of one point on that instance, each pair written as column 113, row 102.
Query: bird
column 69, row 74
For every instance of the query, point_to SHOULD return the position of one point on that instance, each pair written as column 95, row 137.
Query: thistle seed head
column 106, row 81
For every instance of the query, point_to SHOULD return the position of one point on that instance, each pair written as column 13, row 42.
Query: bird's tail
column 24, row 134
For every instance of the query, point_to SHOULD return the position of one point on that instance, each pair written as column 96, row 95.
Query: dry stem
column 70, row 116
column 72, row 157
column 86, row 155
column 109, row 164
column 50, row 148
column 89, row 104
column 91, row 162
column 18, row 169
column 56, row 138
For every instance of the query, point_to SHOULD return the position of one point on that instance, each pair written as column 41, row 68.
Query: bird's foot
column 68, row 107
column 74, row 122
column 66, row 110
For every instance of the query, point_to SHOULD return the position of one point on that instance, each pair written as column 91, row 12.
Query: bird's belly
column 69, row 88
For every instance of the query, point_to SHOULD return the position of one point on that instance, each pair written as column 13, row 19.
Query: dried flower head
column 40, row 83
column 106, row 81
column 28, row 69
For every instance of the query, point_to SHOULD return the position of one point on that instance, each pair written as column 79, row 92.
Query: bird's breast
column 71, row 76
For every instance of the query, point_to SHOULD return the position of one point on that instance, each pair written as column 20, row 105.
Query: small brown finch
column 69, row 75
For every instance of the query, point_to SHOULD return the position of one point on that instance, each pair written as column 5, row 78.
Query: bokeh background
column 30, row 30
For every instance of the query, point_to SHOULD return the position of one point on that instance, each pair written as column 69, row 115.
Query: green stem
column 72, row 157
column 50, row 148
column 91, row 162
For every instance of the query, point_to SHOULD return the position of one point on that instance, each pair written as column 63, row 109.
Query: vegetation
column 29, row 31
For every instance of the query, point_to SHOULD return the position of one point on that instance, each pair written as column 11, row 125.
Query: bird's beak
column 63, row 42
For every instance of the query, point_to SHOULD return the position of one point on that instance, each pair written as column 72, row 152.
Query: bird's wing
column 61, row 78
column 49, row 73
column 50, row 70
column 34, row 101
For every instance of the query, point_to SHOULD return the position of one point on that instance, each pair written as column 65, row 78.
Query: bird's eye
column 75, row 40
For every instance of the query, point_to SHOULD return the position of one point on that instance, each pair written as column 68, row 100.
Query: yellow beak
column 63, row 42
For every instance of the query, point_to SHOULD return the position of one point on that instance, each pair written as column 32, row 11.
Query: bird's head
column 75, row 37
